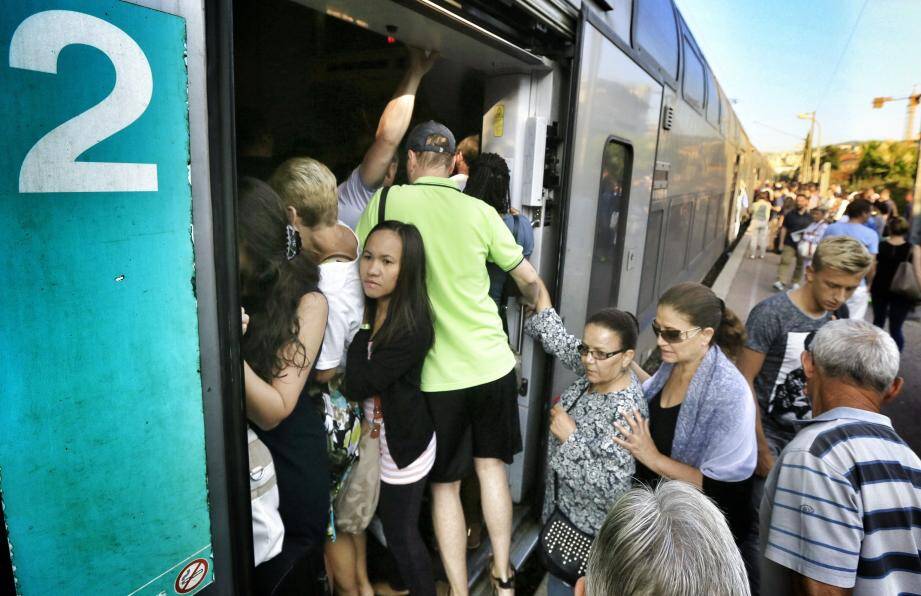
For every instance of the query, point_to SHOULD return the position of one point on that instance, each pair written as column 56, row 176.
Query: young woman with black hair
column 587, row 471
column 384, row 369
column 284, row 320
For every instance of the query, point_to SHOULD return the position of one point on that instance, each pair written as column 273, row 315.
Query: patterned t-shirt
column 778, row 328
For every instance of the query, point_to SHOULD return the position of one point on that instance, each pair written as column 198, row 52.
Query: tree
column 874, row 162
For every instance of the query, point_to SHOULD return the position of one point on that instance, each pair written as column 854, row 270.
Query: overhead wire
column 847, row 44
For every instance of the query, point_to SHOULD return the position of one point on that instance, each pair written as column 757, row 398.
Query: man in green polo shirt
column 468, row 377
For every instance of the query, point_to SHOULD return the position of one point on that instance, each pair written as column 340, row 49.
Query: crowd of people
column 378, row 374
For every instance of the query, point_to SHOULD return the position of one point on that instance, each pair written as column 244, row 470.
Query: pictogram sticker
column 191, row 576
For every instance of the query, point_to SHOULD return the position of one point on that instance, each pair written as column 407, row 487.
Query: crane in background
column 913, row 101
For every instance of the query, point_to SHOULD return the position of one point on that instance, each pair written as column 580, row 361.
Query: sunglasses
column 674, row 336
column 584, row 350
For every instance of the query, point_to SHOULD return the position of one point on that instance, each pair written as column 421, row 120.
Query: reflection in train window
column 693, row 77
column 610, row 226
column 650, row 260
column 713, row 100
column 657, row 33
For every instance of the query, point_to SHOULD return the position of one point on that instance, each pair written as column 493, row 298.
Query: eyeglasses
column 673, row 336
column 584, row 350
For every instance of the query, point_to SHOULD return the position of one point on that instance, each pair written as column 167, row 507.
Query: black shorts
column 479, row 421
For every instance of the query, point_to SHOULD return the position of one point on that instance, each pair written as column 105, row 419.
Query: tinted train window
column 698, row 233
column 713, row 100
column 657, row 34
column 610, row 226
column 693, row 77
column 650, row 260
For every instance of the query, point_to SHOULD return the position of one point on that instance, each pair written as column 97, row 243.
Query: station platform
column 745, row 282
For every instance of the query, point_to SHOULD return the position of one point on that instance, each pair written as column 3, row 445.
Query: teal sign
column 102, row 450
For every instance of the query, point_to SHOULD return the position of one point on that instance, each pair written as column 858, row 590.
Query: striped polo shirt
column 843, row 507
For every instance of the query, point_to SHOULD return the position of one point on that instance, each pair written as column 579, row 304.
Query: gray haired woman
column 587, row 470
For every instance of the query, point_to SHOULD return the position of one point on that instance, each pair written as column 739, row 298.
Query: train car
column 624, row 152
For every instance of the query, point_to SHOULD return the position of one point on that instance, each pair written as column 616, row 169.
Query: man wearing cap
column 468, row 377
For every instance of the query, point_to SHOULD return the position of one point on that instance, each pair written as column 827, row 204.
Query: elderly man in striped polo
column 842, row 507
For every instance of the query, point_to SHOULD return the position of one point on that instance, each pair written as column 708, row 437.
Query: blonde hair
column 842, row 253
column 310, row 188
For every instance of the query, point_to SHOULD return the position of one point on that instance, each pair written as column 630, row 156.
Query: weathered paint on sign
column 102, row 452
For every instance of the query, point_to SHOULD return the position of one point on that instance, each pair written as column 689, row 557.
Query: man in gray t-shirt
column 777, row 330
column 378, row 163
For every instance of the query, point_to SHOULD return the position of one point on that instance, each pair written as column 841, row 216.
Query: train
column 117, row 183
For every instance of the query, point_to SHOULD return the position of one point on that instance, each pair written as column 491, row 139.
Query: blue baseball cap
column 417, row 136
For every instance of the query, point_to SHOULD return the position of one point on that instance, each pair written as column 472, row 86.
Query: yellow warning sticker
column 498, row 123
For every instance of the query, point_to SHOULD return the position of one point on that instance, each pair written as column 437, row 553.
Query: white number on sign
column 51, row 164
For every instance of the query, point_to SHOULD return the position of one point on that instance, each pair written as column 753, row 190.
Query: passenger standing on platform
column 858, row 213
column 468, row 377
column 468, row 151
column 777, row 329
column 840, row 509
column 701, row 426
column 378, row 164
column 760, row 218
column 886, row 305
column 669, row 540
column 308, row 190
column 812, row 235
column 384, row 369
column 586, row 470
column 287, row 316
column 794, row 221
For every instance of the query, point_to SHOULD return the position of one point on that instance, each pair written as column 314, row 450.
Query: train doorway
column 316, row 81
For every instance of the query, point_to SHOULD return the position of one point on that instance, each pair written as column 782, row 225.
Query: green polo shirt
column 461, row 233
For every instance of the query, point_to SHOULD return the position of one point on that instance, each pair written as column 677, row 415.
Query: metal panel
column 615, row 97
column 101, row 375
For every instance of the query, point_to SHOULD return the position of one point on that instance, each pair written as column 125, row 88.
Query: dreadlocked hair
column 489, row 181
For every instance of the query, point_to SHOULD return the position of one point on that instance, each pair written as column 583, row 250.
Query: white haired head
column 667, row 541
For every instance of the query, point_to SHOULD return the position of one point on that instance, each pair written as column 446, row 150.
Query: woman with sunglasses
column 587, row 471
column 701, row 424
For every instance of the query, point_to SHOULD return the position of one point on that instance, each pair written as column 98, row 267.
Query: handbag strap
column 382, row 206
column 556, row 477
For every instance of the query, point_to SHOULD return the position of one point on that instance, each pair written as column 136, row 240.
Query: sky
column 778, row 58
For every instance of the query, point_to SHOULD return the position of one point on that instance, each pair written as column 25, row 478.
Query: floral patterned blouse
column 593, row 470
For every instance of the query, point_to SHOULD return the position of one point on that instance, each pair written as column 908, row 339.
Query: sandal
column 499, row 583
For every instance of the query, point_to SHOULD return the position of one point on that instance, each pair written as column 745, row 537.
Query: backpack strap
column 382, row 206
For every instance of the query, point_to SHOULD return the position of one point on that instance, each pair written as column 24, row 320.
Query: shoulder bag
column 904, row 282
column 564, row 547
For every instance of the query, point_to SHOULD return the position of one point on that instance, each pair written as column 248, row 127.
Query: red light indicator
column 391, row 39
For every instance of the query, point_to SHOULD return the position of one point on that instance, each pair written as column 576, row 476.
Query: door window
column 610, row 226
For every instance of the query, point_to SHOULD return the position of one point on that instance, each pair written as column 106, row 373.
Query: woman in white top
column 384, row 369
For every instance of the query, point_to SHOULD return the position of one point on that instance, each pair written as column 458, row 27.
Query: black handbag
column 564, row 547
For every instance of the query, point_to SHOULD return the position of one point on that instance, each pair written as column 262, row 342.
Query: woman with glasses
column 587, row 471
column 701, row 423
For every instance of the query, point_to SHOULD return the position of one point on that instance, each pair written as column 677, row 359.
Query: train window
column 650, row 260
column 610, row 226
column 676, row 240
column 698, row 232
column 713, row 100
column 657, row 33
column 693, row 84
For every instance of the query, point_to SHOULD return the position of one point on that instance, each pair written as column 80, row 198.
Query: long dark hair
column 489, row 181
column 271, row 285
column 409, row 310
column 705, row 309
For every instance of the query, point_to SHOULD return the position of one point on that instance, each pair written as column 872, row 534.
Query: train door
column 613, row 150
column 735, row 204
column 121, row 438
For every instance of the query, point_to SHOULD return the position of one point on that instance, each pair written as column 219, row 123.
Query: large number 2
column 51, row 164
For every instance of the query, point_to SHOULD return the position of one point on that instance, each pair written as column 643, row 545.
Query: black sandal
column 502, row 584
